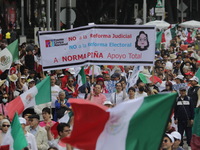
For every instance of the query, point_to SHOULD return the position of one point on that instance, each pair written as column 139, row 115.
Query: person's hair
column 118, row 83
column 61, row 127
column 61, row 92
column 97, row 84
column 52, row 148
column 46, row 110
column 137, row 38
column 131, row 88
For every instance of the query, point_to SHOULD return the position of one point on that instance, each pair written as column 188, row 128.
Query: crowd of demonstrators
column 174, row 70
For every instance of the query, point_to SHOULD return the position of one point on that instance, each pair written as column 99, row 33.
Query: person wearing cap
column 31, row 83
column 30, row 138
column 100, row 81
column 167, row 142
column 68, row 72
column 39, row 132
column 184, row 114
column 15, row 68
column 177, row 140
column 22, row 82
column 194, row 91
column 33, row 75
column 96, row 96
column 71, row 89
column 120, row 95
column 5, row 124
column 108, row 104
column 179, row 82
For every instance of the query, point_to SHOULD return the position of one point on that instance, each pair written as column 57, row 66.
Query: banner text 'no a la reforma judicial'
column 98, row 45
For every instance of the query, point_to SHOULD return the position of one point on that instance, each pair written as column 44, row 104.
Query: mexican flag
column 132, row 125
column 197, row 74
column 158, row 39
column 39, row 94
column 169, row 34
column 15, row 137
column 81, row 77
column 145, row 77
column 8, row 55
column 195, row 141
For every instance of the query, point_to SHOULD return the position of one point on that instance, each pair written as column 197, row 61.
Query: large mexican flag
column 133, row 125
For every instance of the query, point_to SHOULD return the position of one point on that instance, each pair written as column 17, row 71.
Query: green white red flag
column 39, row 94
column 133, row 125
column 15, row 138
column 8, row 55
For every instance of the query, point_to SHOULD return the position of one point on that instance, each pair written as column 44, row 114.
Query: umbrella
column 159, row 24
column 190, row 24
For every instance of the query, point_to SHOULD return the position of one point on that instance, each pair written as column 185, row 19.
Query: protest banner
column 98, row 45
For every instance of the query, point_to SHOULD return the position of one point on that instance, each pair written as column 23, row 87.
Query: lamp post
column 144, row 11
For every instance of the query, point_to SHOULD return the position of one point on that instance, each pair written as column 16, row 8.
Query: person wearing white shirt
column 30, row 138
column 120, row 95
column 55, row 89
column 141, row 92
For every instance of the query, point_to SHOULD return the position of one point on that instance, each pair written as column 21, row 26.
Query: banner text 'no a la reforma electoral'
column 99, row 45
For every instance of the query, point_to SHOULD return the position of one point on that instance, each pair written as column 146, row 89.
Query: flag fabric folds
column 130, row 125
column 195, row 141
column 81, row 77
column 8, row 55
column 39, row 94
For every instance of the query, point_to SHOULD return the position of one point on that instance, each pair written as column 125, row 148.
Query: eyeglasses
column 5, row 97
column 165, row 141
column 4, row 125
column 70, row 81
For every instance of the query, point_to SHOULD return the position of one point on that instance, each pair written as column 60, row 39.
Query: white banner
column 98, row 44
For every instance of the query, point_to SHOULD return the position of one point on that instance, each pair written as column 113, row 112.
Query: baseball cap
column 31, row 80
column 194, row 78
column 189, row 74
column 18, row 62
column 70, row 70
column 22, row 120
column 107, row 103
column 180, row 77
column 176, row 135
column 170, row 137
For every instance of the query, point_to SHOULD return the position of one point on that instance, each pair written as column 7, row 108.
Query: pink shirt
column 99, row 99
column 43, row 124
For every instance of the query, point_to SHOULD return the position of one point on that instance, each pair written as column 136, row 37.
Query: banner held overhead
column 98, row 45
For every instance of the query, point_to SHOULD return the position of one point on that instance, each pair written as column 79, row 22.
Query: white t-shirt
column 54, row 94
column 117, row 98
column 137, row 94
column 31, row 141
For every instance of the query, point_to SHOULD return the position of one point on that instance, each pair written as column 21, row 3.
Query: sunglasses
column 70, row 81
column 5, row 97
column 4, row 125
